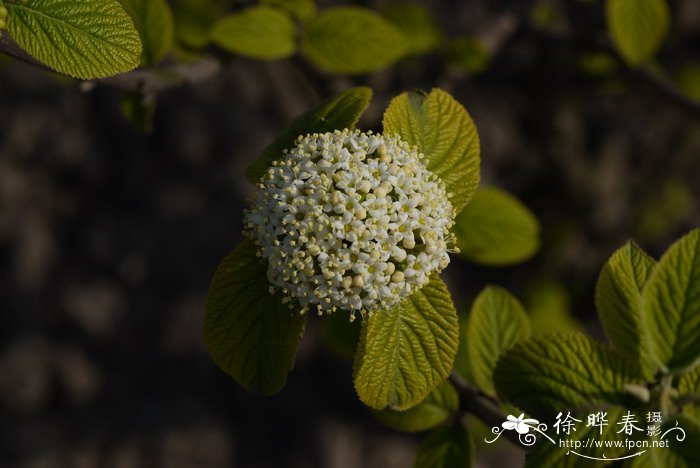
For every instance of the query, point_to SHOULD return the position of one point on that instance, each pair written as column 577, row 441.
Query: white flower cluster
column 351, row 220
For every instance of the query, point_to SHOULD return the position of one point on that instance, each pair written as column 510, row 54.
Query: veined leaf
column 418, row 26
column 496, row 229
column 249, row 332
column 335, row 113
column 497, row 322
column 154, row 22
column 619, row 303
column 562, row 372
column 638, row 27
column 87, row 39
column 444, row 132
column 689, row 386
column 407, row 351
column 446, row 447
column 437, row 408
column 259, row 32
column 671, row 305
column 352, row 40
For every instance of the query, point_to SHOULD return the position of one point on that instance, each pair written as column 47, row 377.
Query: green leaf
column 689, row 386
column 193, row 20
column 340, row 334
column 549, row 306
column 250, row 333
column 437, row 408
column 139, row 110
column 86, row 39
column 497, row 322
column 562, row 372
column 446, row 447
column 259, row 32
column 335, row 113
column 638, row 27
column 407, row 351
column 469, row 53
column 496, row 229
column 302, row 9
column 619, row 303
column 671, row 305
column 421, row 31
column 444, row 132
column 154, row 22
column 352, row 40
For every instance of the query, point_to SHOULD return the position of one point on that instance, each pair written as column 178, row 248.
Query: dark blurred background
column 109, row 236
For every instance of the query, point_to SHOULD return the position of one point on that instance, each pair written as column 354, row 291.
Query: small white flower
column 350, row 220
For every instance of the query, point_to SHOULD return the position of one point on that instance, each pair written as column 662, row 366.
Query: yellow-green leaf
column 496, row 229
column 689, row 388
column 619, row 303
column 407, row 351
column 562, row 372
column 437, row 408
column 443, row 131
column 671, row 305
column 85, row 39
column 638, row 27
column 258, row 32
column 352, row 40
column 497, row 322
column 335, row 113
column 250, row 333
column 153, row 20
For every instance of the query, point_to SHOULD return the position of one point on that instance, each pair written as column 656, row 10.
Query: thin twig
column 472, row 400
column 154, row 80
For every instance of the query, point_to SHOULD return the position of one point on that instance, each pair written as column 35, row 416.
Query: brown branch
column 473, row 401
column 150, row 81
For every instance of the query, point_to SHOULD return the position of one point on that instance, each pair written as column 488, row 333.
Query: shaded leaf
column 250, row 333
column 549, row 306
column 352, row 40
column 443, row 131
column 638, row 27
column 407, row 351
column 340, row 334
column 335, row 113
column 139, row 110
column 421, row 31
column 259, row 32
column 671, row 305
column 153, row 20
column 496, row 323
column 302, row 9
column 496, row 229
column 689, row 387
column 446, row 447
column 87, row 39
column 437, row 408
